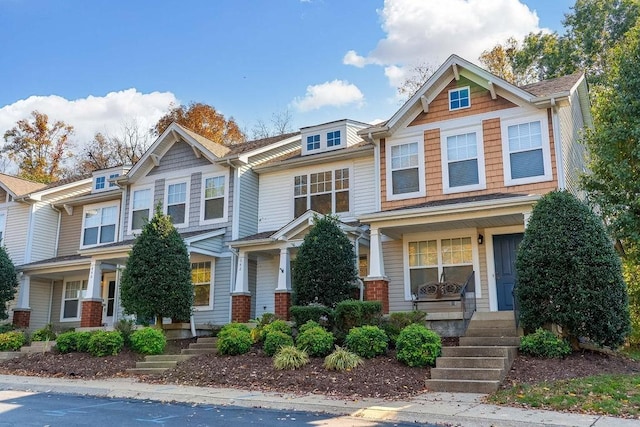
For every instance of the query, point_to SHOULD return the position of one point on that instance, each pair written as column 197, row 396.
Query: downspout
column 29, row 246
column 233, row 275
column 50, row 301
column 55, row 249
column 557, row 142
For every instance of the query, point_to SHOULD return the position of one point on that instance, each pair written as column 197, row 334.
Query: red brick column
column 21, row 317
column 377, row 290
column 240, row 308
column 283, row 304
column 91, row 313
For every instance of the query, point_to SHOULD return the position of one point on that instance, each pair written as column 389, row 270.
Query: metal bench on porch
column 441, row 296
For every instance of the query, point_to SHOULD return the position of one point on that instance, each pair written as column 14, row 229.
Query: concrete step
column 491, row 332
column 490, row 341
column 168, row 357
column 493, row 315
column 6, row 355
column 205, row 345
column 472, row 362
column 492, row 324
column 165, row 364
column 38, row 347
column 463, row 386
column 202, row 340
column 478, row 351
column 467, row 374
column 146, row 371
column 195, row 351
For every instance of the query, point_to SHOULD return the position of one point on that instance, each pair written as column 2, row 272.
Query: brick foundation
column 91, row 314
column 377, row 290
column 283, row 304
column 21, row 318
column 240, row 308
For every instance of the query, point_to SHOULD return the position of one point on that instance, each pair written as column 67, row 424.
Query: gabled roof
column 18, row 186
column 248, row 146
column 539, row 95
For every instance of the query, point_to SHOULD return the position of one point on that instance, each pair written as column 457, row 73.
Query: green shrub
column 12, row 341
column 234, row 340
column 354, row 313
column 44, row 334
column 257, row 333
column 543, row 343
column 103, row 343
column 308, row 325
column 290, row 357
column 148, row 341
column 399, row 320
column 67, row 342
column 277, row 325
column 342, row 360
column 7, row 327
column 418, row 346
column 367, row 341
column 82, row 341
column 233, row 326
column 276, row 340
column 126, row 328
column 317, row 342
column 320, row 314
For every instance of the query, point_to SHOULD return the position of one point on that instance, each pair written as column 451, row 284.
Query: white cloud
column 94, row 113
column 429, row 31
column 336, row 93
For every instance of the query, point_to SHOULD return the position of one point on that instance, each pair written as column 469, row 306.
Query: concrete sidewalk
column 460, row 409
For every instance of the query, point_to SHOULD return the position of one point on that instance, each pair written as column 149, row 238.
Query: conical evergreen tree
column 8, row 281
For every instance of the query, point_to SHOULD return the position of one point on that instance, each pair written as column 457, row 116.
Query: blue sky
column 96, row 64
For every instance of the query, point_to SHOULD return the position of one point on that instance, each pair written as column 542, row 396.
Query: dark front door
column 505, row 247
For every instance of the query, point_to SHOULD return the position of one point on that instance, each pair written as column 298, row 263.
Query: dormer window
column 459, row 98
column 333, row 138
column 99, row 183
column 313, row 142
column 113, row 175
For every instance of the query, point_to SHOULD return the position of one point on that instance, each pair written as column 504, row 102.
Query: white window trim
column 165, row 205
column 114, row 203
column 458, row 89
column 333, row 191
column 306, row 143
column 225, row 197
column 475, row 256
column 151, row 207
column 3, row 226
column 419, row 138
column 84, row 283
column 482, row 179
column 211, row 289
column 546, row 150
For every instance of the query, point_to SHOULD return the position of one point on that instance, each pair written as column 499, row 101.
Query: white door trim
column 491, row 266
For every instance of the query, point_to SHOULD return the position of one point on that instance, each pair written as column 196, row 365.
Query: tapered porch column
column 241, row 297
column 22, row 311
column 376, row 284
column 283, row 291
column 92, row 301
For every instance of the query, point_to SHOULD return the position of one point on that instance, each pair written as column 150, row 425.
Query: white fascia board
column 203, row 236
column 244, row 157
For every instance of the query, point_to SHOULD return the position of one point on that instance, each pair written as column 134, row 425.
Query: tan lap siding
column 394, row 270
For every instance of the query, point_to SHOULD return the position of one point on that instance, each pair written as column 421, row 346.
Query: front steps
column 38, row 347
column 483, row 358
column 156, row 364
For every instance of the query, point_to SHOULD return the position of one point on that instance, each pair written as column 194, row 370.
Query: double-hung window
column 201, row 279
column 405, row 168
column 459, row 98
column 313, row 142
column 324, row 192
column 213, row 198
column 526, row 152
column 463, row 161
column 71, row 297
column 99, row 225
column 176, row 202
column 140, row 207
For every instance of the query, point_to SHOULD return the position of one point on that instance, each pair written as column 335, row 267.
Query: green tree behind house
column 324, row 270
column 157, row 278
column 570, row 275
column 8, row 281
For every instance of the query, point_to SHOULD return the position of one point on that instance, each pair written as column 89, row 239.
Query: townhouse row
column 440, row 192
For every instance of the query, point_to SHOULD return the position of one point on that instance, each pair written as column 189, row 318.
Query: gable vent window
column 459, row 98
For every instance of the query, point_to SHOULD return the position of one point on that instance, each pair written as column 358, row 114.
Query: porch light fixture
column 480, row 239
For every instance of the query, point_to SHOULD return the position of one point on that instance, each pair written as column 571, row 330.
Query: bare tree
column 280, row 124
column 417, row 76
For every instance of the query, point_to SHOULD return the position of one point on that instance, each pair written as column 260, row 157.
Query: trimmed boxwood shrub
column 82, row 341
column 308, row 325
column 12, row 341
column 395, row 322
column 418, row 346
column 103, row 343
column 148, row 341
column 316, row 341
column 66, row 342
column 354, row 313
column 543, row 343
column 367, row 341
column 277, row 325
column 274, row 341
column 234, row 339
column 321, row 314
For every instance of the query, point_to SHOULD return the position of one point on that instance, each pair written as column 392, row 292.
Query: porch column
column 376, row 285
column 283, row 291
column 92, row 300
column 241, row 297
column 527, row 216
column 22, row 311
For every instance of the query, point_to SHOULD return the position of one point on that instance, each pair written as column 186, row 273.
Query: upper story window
column 459, row 98
column 99, row 182
column 176, row 202
column 333, row 138
column 313, row 142
column 3, row 223
column 324, row 192
column 526, row 152
column 463, row 162
column 141, row 201
column 213, row 196
column 100, row 223
column 113, row 175
column 405, row 168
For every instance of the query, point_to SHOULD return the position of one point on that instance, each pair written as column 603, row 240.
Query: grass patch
column 617, row 395
column 632, row 352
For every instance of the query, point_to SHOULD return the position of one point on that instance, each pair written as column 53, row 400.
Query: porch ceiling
column 396, row 231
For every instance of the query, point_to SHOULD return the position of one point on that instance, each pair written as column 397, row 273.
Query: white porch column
column 527, row 216
column 242, row 273
column 94, row 291
column 376, row 261
column 24, row 291
column 284, row 271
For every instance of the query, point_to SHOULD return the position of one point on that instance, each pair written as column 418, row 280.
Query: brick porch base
column 283, row 304
column 240, row 308
column 91, row 313
column 21, row 317
column 377, row 290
